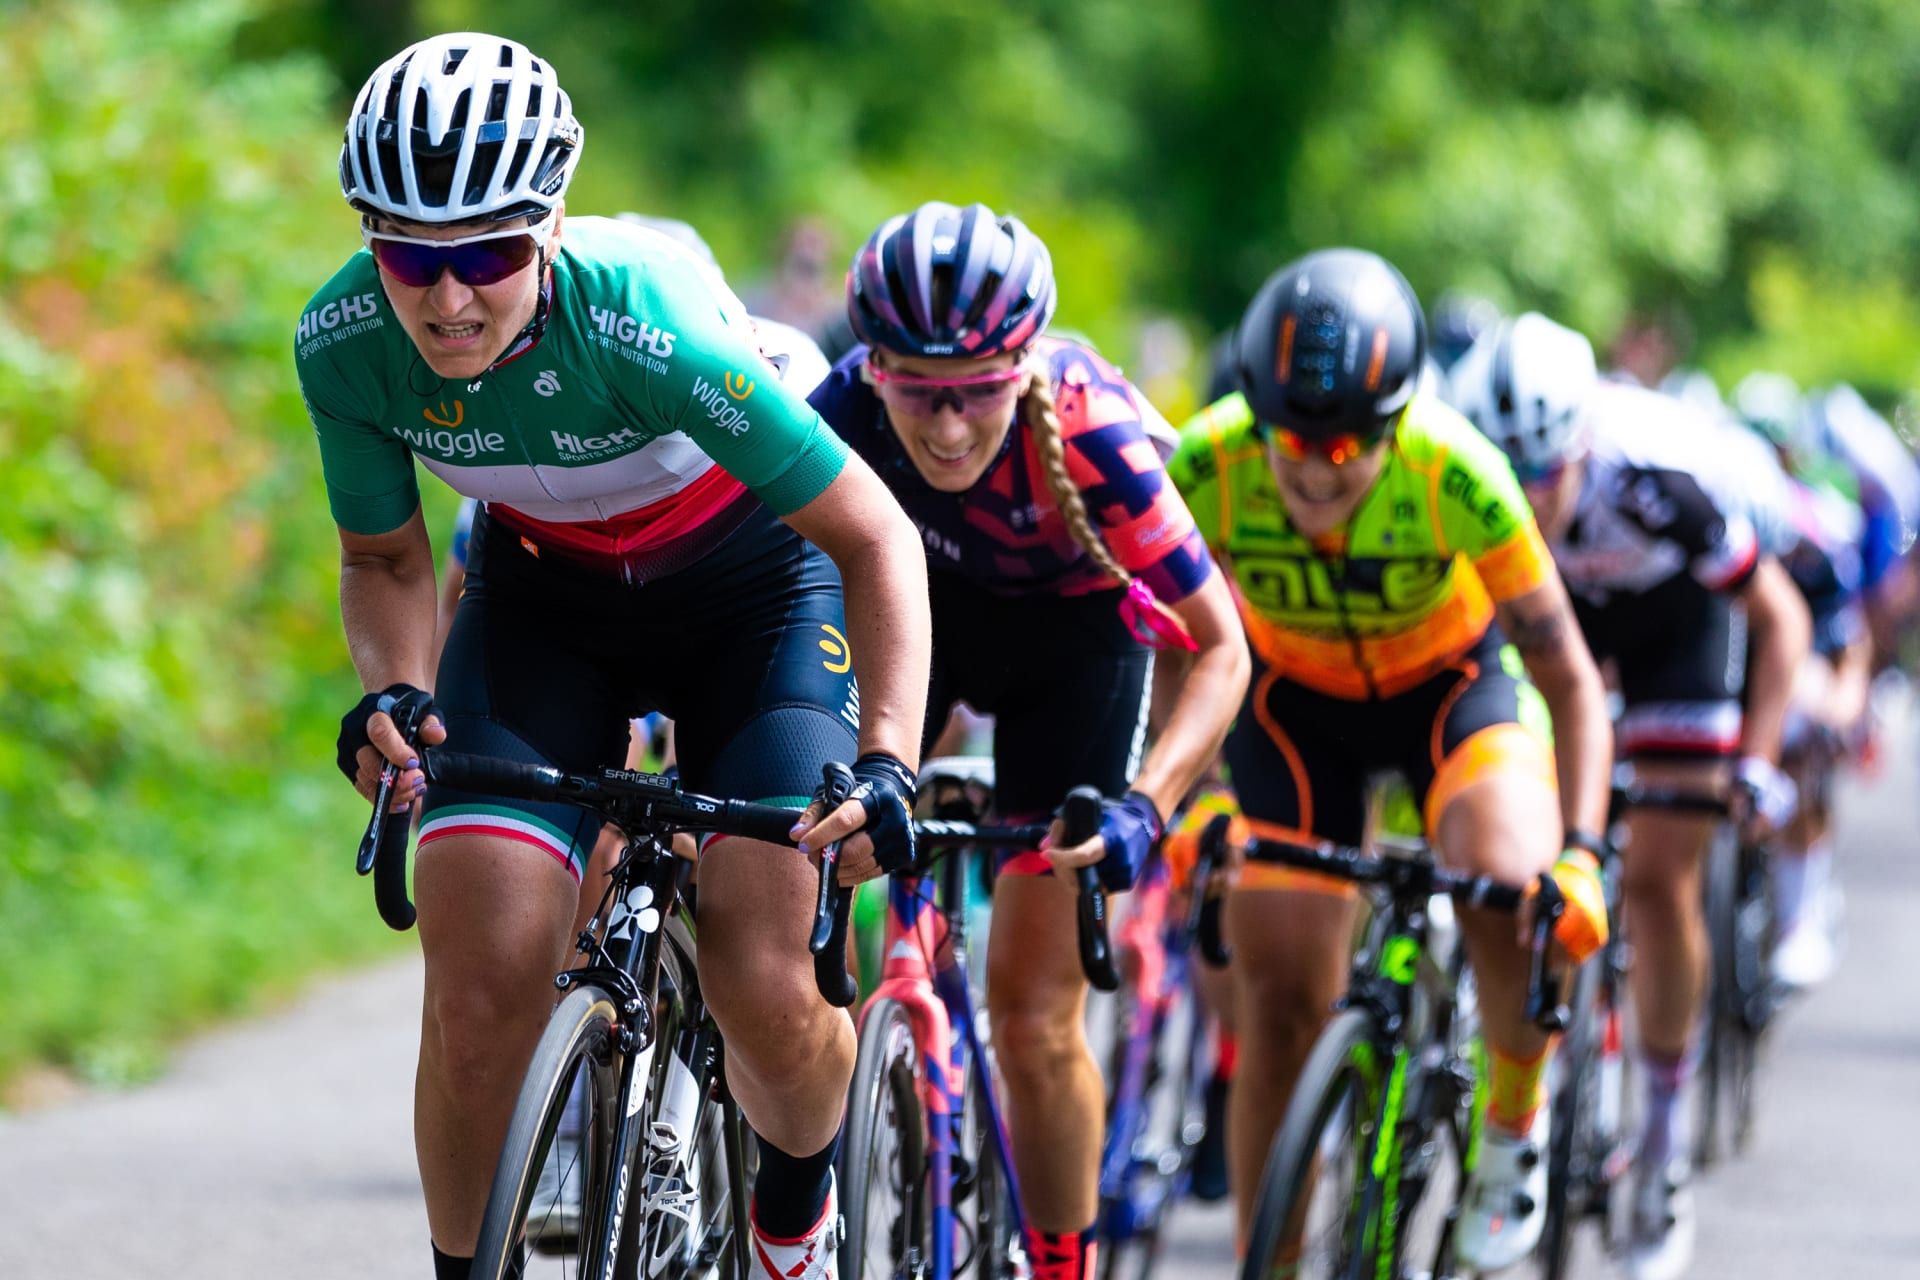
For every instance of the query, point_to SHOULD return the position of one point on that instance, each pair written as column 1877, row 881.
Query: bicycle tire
column 1572, row 1151
column 1754, row 933
column 1171, row 1121
column 1721, row 905
column 1339, row 1086
column 886, row 1138
column 710, row 1189
column 582, row 1033
column 993, row 1247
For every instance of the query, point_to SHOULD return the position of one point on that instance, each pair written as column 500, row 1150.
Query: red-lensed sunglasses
column 487, row 258
column 976, row 393
column 1338, row 450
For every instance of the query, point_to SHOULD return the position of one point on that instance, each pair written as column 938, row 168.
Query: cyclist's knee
column 1282, row 1011
column 476, row 1033
column 1037, row 1042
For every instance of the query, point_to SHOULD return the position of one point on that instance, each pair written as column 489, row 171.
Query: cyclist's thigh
column 1298, row 761
column 517, row 680
column 1680, row 681
column 1480, row 761
column 752, row 663
column 1066, row 684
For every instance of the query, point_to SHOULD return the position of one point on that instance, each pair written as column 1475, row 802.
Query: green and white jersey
column 644, row 407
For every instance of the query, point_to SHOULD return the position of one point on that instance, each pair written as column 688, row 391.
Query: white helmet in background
column 462, row 127
column 1770, row 404
column 1523, row 383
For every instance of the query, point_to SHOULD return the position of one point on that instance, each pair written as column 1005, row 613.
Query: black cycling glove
column 887, row 788
column 401, row 701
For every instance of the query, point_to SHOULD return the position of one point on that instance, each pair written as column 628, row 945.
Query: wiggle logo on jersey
column 452, row 444
column 443, row 418
column 358, row 312
column 729, row 419
column 739, row 385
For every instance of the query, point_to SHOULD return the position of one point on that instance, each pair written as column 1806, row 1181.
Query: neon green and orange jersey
column 1404, row 589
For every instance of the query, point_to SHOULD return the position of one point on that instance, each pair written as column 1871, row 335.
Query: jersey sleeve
column 721, row 392
column 1484, row 514
column 1122, row 480
column 1194, row 469
column 371, row 486
column 1722, row 545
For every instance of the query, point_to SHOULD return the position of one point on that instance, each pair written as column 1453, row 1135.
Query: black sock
column 446, row 1267
column 790, row 1192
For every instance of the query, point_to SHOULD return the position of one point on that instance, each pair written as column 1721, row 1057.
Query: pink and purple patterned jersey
column 1006, row 533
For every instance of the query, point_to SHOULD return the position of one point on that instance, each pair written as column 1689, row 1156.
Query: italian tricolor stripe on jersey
column 507, row 824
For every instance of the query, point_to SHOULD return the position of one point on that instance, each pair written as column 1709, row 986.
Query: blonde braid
column 1037, row 408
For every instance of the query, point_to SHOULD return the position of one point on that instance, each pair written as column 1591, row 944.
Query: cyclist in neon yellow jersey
column 1383, row 554
column 662, row 526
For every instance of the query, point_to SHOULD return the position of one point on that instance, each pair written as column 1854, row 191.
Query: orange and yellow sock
column 1516, row 1089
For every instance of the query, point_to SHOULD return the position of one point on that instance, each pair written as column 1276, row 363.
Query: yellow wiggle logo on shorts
column 739, row 386
column 839, row 658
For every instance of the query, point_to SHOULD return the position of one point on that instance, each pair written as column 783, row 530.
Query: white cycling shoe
column 1807, row 954
column 1661, row 1244
column 814, row 1256
column 1505, row 1205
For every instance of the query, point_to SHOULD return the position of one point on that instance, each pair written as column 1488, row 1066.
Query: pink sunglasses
column 975, row 393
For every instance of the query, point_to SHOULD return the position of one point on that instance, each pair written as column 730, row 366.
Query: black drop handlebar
column 1411, row 880
column 631, row 799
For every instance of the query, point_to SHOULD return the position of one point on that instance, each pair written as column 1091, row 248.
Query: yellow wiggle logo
column 839, row 655
column 739, row 386
column 459, row 415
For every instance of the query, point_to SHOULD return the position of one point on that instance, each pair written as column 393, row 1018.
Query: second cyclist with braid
column 1061, row 558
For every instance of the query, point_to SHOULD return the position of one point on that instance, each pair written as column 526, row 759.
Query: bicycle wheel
column 1723, row 998
column 578, row 1051
column 1573, row 1152
column 690, row 1210
column 1168, row 1120
column 1308, row 1217
column 985, row 1204
column 883, row 1162
column 1756, row 997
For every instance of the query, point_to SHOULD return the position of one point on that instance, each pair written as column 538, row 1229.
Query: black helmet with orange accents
column 1332, row 345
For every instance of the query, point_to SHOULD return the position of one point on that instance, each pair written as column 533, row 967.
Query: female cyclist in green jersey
column 664, row 526
column 1383, row 556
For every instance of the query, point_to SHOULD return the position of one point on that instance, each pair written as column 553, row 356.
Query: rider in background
column 1827, row 722
column 1060, row 556
column 663, row 526
column 1669, row 579
column 1384, row 559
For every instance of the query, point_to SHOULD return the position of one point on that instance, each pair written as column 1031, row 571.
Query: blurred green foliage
column 171, row 834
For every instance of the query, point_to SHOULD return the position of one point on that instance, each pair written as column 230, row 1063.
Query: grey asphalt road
column 282, row 1147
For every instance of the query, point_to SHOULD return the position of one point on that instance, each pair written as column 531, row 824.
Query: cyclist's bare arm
column 883, row 571
column 1542, row 627
column 1782, row 632
column 388, row 609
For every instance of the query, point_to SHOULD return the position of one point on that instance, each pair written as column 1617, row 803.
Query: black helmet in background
column 1332, row 345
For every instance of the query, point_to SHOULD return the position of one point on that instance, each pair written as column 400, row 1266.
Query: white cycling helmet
column 1770, row 404
column 1523, row 383
column 459, row 128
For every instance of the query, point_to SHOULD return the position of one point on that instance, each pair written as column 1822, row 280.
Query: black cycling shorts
column 1066, row 684
column 1302, row 760
column 547, row 661
column 1681, row 652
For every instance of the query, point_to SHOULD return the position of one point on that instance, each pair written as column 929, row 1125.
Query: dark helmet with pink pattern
column 950, row 281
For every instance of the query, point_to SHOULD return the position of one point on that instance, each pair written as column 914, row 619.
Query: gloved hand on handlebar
column 1128, row 828
column 368, row 740
column 882, row 840
column 1774, row 795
